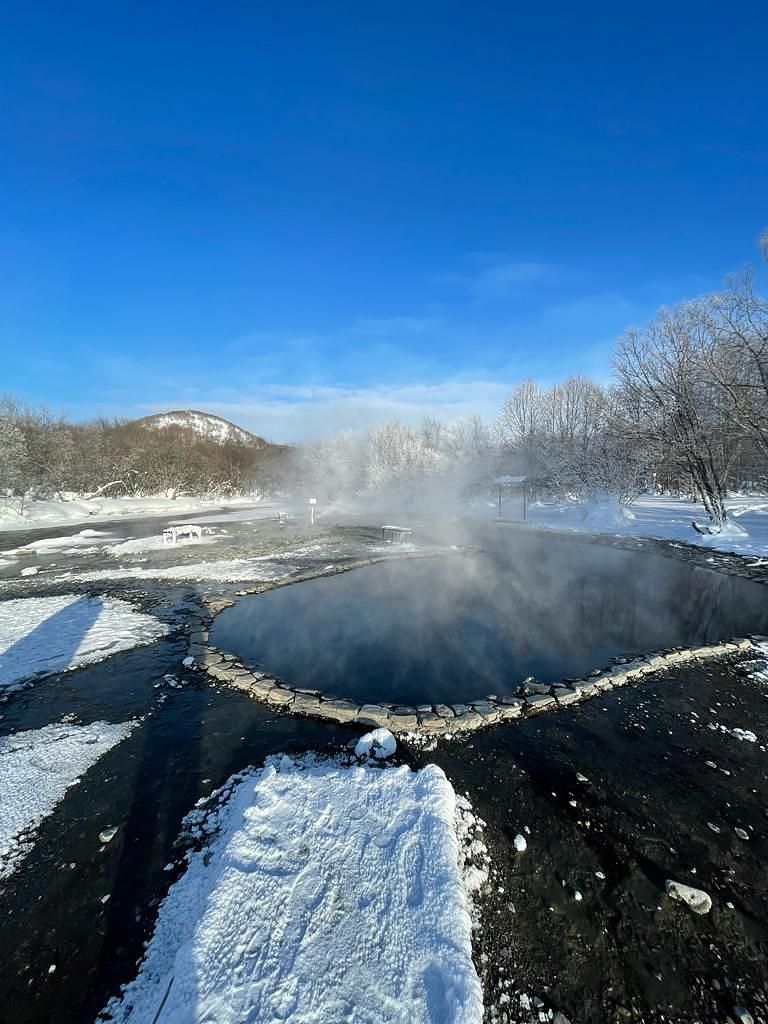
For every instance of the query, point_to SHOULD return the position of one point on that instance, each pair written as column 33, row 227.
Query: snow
column 665, row 517
column 40, row 635
column 36, row 769
column 205, row 424
column 379, row 743
column 142, row 544
column 71, row 508
column 235, row 570
column 325, row 893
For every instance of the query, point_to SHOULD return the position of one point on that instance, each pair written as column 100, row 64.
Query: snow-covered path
column 326, row 893
column 36, row 769
column 50, row 634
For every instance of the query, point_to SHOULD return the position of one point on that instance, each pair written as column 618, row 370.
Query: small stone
column 188, row 662
column 108, row 834
column 696, row 899
column 520, row 843
column 742, row 1016
column 741, row 833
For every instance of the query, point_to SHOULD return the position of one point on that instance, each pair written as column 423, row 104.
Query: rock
column 432, row 722
column 560, row 1018
column 696, row 899
column 568, row 696
column 510, row 710
column 108, row 834
column 459, row 709
column 403, row 719
column 188, row 662
column 585, row 686
column 280, row 695
column 379, row 744
column 443, row 710
column 339, row 710
column 529, row 689
column 741, row 833
column 304, row 703
column 742, row 1016
column 372, row 714
column 520, row 843
column 539, row 701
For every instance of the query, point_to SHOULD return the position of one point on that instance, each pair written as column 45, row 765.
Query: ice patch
column 40, row 635
column 36, row 769
column 326, row 893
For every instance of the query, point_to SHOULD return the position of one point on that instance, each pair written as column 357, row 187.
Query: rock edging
column 432, row 719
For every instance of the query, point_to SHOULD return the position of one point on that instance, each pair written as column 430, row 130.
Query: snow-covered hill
column 204, row 423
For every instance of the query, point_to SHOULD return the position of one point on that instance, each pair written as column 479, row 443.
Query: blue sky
column 310, row 216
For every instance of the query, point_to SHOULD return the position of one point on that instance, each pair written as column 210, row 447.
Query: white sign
column 313, row 501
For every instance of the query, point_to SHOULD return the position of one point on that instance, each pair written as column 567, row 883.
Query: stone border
column 427, row 719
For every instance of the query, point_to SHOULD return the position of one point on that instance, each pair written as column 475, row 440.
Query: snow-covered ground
column 324, row 893
column 72, row 509
column 36, row 769
column 666, row 517
column 40, row 635
column 234, row 570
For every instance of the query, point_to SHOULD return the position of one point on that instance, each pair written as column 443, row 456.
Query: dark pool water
column 455, row 628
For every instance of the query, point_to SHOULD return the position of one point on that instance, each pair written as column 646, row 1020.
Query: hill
column 205, row 424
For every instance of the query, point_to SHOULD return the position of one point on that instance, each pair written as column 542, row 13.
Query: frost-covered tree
column 664, row 377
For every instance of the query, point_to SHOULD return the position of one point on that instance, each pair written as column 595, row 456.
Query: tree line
column 44, row 455
column 686, row 411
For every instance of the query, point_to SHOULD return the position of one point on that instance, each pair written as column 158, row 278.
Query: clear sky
column 305, row 216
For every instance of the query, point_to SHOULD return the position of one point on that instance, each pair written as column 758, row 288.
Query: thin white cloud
column 302, row 413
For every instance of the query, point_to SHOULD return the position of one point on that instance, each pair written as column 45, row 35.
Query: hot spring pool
column 454, row 628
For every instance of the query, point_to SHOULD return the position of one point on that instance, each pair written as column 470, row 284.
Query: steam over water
column 457, row 628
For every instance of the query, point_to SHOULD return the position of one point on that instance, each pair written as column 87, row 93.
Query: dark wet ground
column 624, row 953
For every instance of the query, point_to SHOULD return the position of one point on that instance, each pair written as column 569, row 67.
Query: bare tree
column 663, row 374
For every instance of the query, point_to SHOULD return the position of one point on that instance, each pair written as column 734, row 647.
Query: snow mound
column 36, row 769
column 379, row 743
column 326, row 893
column 40, row 635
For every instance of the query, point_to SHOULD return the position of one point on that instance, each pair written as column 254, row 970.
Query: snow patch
column 41, row 635
column 236, row 570
column 325, row 893
column 36, row 769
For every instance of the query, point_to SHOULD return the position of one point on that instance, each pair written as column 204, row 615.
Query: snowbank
column 36, row 769
column 235, row 570
column 64, row 511
column 326, row 893
column 665, row 517
column 40, row 635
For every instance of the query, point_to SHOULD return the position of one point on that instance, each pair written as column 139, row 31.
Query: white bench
column 172, row 533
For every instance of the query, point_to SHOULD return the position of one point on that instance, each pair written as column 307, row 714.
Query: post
column 499, row 501
column 525, row 496
column 312, row 503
